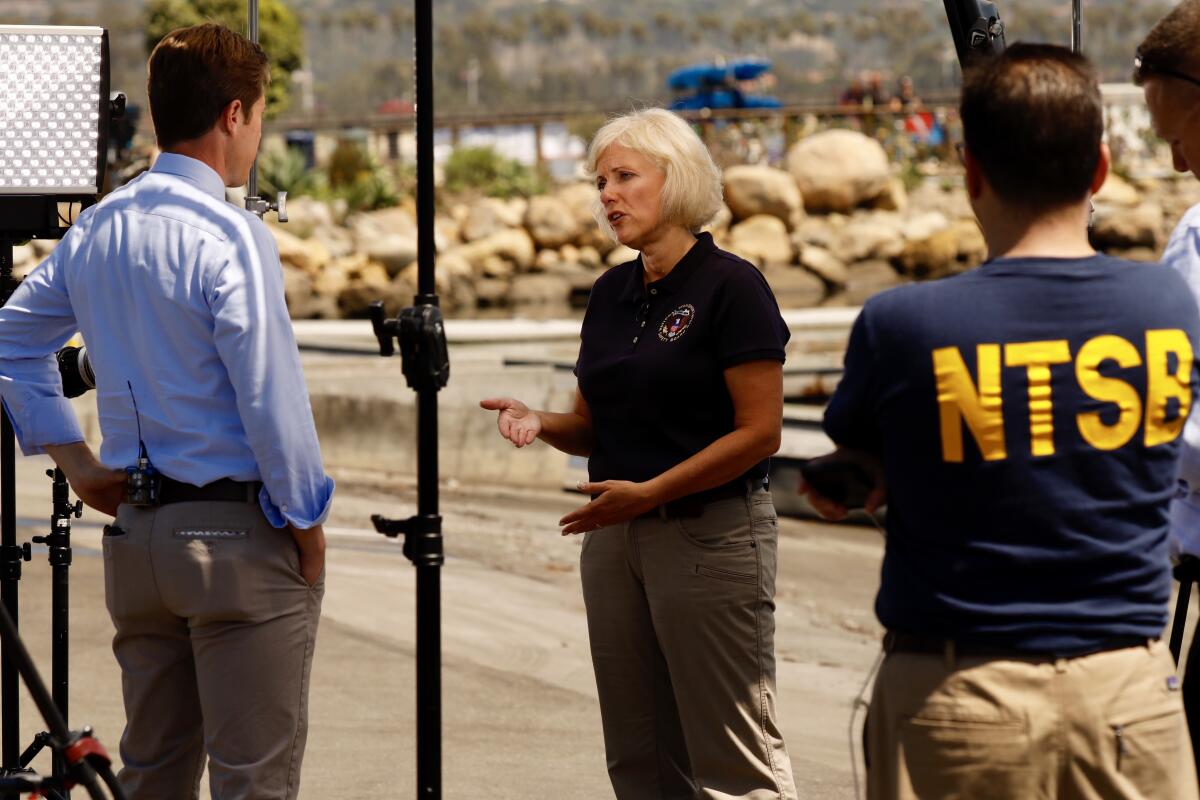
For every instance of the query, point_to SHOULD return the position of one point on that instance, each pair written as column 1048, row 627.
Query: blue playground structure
column 719, row 85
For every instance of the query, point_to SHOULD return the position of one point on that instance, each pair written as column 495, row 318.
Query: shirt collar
column 636, row 289
column 190, row 169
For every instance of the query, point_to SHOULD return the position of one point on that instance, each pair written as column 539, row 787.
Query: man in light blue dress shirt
column 1167, row 66
column 215, row 591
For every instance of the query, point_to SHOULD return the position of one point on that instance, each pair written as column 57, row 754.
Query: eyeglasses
column 1143, row 69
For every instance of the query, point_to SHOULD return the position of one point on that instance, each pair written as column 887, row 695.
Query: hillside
column 505, row 53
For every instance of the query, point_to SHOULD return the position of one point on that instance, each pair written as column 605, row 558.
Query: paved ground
column 520, row 714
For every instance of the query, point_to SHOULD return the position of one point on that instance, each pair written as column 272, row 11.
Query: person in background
column 1167, row 66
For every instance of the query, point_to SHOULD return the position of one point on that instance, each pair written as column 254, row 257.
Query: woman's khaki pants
column 215, row 635
column 681, row 621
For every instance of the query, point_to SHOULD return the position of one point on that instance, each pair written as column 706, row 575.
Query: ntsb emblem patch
column 676, row 323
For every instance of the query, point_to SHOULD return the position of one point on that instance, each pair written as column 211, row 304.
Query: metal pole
column 58, row 542
column 252, row 27
column 10, row 560
column 1077, row 26
column 429, row 611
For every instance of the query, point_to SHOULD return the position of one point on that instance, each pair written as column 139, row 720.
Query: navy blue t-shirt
column 1029, row 416
column 652, row 358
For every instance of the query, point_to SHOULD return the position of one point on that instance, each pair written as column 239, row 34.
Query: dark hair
column 195, row 73
column 1171, row 45
column 1033, row 120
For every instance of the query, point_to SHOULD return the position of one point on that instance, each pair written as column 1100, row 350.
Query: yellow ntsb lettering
column 959, row 401
column 1109, row 390
column 1164, row 384
column 1168, row 361
column 1037, row 357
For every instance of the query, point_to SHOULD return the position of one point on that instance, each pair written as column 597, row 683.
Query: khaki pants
column 681, row 621
column 215, row 634
column 1106, row 726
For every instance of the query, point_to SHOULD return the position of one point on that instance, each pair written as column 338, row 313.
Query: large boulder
column 394, row 251
column 370, row 224
column 838, row 170
column 794, row 287
column 763, row 240
column 336, row 239
column 489, row 215
column 1116, row 228
column 297, row 291
column 306, row 215
column 308, row 255
column 947, row 251
column 513, row 246
column 564, row 217
column 369, row 283
column 932, row 257
column 938, row 194
column 753, row 189
column 330, row 281
column 923, row 225
column 868, row 235
column 1117, row 191
column 867, row 278
column 825, row 265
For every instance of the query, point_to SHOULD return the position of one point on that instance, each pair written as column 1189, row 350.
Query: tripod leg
column 10, row 726
column 1180, row 621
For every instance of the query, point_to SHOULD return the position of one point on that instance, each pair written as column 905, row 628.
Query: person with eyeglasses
column 1167, row 67
column 679, row 408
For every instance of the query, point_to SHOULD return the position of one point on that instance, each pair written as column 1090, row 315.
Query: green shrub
column 370, row 191
column 349, row 163
column 484, row 170
column 284, row 170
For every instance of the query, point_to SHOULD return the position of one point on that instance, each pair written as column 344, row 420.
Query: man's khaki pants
column 681, row 618
column 1106, row 726
column 215, row 634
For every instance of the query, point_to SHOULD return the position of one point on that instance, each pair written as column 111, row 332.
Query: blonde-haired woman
column 678, row 408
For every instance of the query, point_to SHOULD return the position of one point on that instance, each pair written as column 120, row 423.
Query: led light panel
column 51, row 87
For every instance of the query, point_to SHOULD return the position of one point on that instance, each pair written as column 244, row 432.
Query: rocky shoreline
column 833, row 227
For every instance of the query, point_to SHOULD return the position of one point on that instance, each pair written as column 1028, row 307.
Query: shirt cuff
column 301, row 518
column 44, row 421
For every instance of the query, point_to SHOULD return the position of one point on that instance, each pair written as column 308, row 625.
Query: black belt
column 897, row 642
column 225, row 490
column 692, row 505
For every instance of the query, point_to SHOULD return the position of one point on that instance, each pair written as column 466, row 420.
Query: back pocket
column 956, row 756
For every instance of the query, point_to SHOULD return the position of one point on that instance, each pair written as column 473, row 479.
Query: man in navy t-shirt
column 1025, row 419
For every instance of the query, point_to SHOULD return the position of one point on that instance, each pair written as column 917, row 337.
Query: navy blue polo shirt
column 652, row 358
column 1029, row 416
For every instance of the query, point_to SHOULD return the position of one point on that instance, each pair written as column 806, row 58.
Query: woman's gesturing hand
column 517, row 422
column 618, row 501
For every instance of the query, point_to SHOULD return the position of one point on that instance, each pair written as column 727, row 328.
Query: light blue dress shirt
column 1183, row 255
column 180, row 293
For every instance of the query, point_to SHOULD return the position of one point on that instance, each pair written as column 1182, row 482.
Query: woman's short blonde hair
column 692, row 193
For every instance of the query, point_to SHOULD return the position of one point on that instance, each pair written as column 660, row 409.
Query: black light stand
column 11, row 557
column 33, row 211
column 58, row 542
column 426, row 367
column 86, row 761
